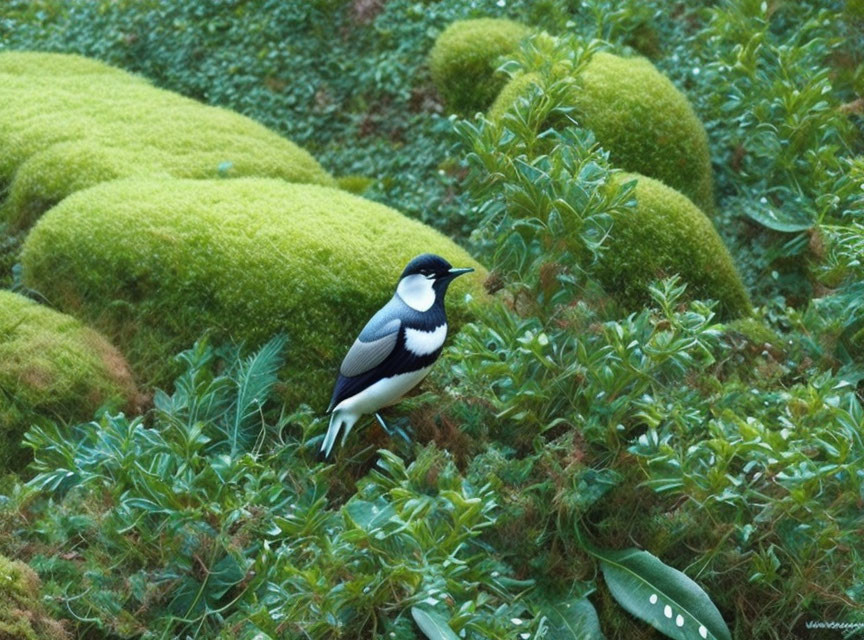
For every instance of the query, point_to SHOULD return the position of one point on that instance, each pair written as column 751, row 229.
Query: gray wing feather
column 368, row 354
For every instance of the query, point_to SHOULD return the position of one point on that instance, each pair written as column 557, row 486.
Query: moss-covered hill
column 52, row 368
column 154, row 264
column 463, row 61
column 67, row 123
column 22, row 615
column 645, row 123
column 667, row 234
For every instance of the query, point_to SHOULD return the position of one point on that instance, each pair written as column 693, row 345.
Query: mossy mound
column 756, row 331
column 667, row 234
column 22, row 616
column 354, row 183
column 68, row 123
column 52, row 367
column 640, row 118
column 464, row 58
column 154, row 264
column 50, row 65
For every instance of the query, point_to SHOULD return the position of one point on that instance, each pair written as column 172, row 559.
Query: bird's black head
column 433, row 267
column 427, row 264
column 427, row 272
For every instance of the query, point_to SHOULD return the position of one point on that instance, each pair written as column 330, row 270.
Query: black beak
column 458, row 272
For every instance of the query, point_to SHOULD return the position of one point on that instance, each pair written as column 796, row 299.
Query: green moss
column 52, row 367
column 855, row 10
column 155, row 263
column 756, row 331
column 640, row 118
column 465, row 57
column 354, row 184
column 50, row 65
column 67, row 123
column 22, row 616
column 667, row 234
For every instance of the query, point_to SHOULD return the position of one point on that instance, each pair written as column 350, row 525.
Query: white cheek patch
column 422, row 343
column 416, row 291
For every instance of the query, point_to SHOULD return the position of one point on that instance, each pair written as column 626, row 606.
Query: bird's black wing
column 398, row 361
column 376, row 342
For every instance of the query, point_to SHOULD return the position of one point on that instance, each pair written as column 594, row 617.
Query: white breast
column 383, row 393
column 422, row 343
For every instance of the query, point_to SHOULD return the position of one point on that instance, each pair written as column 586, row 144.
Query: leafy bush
column 594, row 421
column 526, row 180
column 464, row 60
column 210, row 517
column 52, row 368
column 22, row 616
column 153, row 264
column 634, row 111
column 732, row 453
column 775, row 85
column 102, row 124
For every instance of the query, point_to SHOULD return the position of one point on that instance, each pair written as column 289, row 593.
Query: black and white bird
column 396, row 348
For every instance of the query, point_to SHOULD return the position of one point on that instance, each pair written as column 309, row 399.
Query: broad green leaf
column 370, row 515
column 774, row 219
column 570, row 619
column 662, row 596
column 433, row 625
column 225, row 575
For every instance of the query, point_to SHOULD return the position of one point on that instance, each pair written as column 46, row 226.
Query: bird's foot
column 392, row 431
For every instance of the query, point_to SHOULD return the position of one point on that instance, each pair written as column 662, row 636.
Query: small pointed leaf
column 662, row 596
column 432, row 624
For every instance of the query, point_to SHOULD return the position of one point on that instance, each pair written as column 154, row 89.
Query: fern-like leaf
column 254, row 378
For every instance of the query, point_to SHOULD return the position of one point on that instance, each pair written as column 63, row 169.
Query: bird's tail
column 337, row 420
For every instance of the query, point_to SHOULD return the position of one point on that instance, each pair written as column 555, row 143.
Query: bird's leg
column 383, row 424
column 395, row 431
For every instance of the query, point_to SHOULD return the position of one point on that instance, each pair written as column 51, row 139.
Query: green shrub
column 464, row 59
column 22, row 616
column 224, row 530
column 67, row 123
column 665, row 235
column 638, row 115
column 51, row 366
column 153, row 264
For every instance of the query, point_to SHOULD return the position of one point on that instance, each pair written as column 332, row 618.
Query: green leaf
column 370, row 515
column 225, row 575
column 255, row 378
column 778, row 221
column 662, row 596
column 570, row 619
column 432, row 624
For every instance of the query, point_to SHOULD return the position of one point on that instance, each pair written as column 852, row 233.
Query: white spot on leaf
column 667, row 611
column 653, row 598
column 679, row 620
column 703, row 631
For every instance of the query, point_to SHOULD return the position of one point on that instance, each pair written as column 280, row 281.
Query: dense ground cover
column 618, row 395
